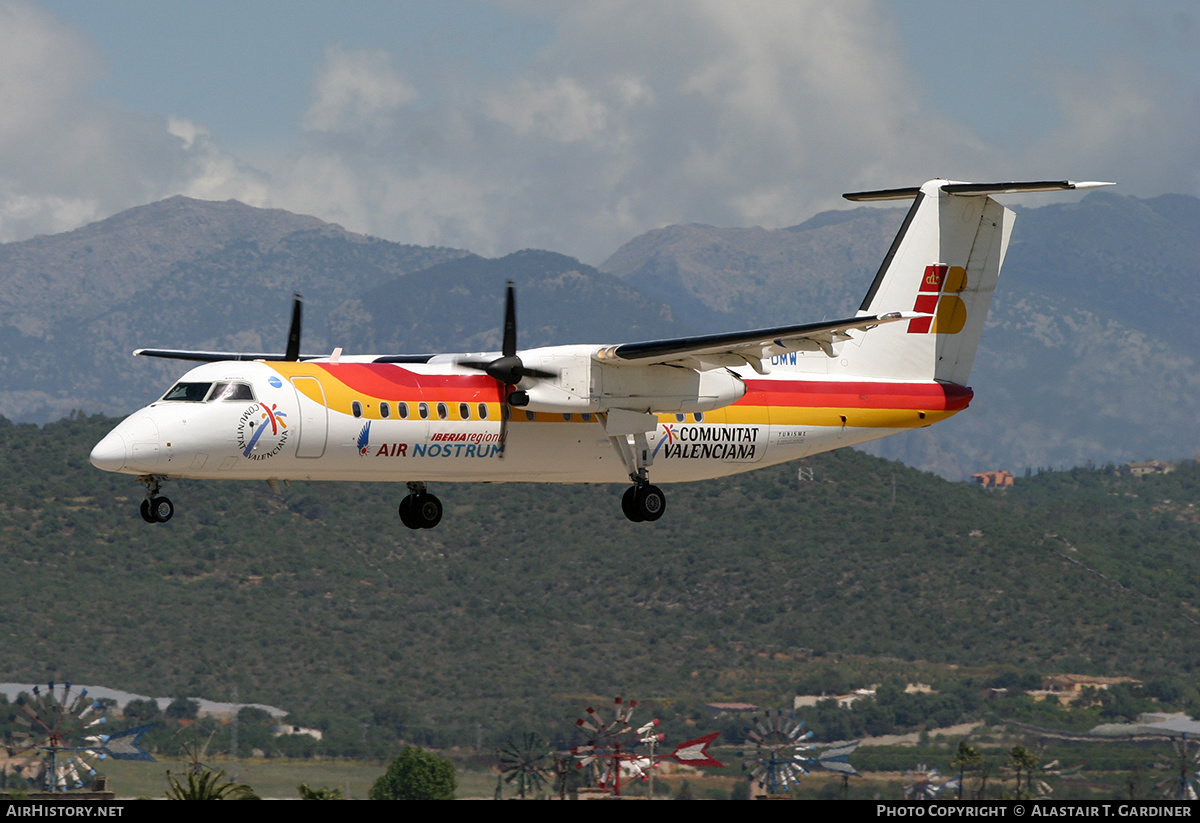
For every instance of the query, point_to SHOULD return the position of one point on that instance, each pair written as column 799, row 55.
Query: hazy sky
column 575, row 126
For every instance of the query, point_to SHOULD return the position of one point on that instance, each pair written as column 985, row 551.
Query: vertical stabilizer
column 943, row 264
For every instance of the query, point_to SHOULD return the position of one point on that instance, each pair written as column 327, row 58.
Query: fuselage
column 438, row 421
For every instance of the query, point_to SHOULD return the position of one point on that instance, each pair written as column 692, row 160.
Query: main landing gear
column 643, row 502
column 155, row 508
column 420, row 509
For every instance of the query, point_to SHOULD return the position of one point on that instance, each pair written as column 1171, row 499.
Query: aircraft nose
column 110, row 453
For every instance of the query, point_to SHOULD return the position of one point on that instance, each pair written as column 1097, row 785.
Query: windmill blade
column 77, row 703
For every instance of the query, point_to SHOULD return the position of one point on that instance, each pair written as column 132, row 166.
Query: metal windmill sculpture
column 611, row 748
column 524, row 764
column 56, row 748
column 925, row 783
column 780, row 755
column 1184, row 784
column 1068, row 774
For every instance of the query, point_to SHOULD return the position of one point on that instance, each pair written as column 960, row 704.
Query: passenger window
column 423, row 410
column 483, row 411
column 679, row 418
column 403, row 409
column 698, row 417
column 442, row 412
column 567, row 417
column 356, row 408
column 586, row 417
column 464, row 411
column 530, row 416
column 385, row 411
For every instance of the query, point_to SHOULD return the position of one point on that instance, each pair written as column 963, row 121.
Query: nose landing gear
column 155, row 508
column 420, row 509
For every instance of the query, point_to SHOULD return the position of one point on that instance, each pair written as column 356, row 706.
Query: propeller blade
column 505, row 414
column 509, row 347
column 293, row 341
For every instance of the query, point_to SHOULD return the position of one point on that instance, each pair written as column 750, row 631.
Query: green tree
column 966, row 758
column 416, row 775
column 1021, row 759
column 182, row 708
column 207, row 785
column 320, row 793
column 142, row 711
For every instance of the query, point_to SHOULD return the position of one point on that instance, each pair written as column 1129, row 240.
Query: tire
column 145, row 510
column 629, row 505
column 651, row 503
column 408, row 512
column 161, row 509
column 429, row 511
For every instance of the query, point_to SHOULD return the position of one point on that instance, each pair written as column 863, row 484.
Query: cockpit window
column 212, row 392
column 188, row 392
column 231, row 391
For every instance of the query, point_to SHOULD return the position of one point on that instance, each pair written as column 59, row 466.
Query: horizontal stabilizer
column 975, row 189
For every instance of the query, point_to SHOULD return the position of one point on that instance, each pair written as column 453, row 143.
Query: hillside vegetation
column 529, row 600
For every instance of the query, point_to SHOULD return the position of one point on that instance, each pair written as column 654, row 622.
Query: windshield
column 188, row 392
column 231, row 391
column 199, row 392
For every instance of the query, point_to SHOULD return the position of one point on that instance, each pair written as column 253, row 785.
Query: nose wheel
column 420, row 509
column 643, row 503
column 155, row 508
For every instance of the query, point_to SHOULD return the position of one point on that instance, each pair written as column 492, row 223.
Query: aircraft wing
column 740, row 348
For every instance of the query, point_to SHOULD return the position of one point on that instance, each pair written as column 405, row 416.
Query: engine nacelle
column 584, row 385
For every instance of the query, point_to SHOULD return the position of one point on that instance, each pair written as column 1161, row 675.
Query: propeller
column 508, row 369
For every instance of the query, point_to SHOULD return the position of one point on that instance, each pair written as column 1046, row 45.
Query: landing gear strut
column 420, row 509
column 155, row 508
column 642, row 502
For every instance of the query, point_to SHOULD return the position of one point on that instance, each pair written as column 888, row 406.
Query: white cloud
column 66, row 156
column 356, row 89
column 631, row 115
column 207, row 173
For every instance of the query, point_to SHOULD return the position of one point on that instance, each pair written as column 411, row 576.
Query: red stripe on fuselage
column 831, row 394
column 386, row 381
column 390, row 382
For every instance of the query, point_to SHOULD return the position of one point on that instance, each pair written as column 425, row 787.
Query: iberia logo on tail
column 938, row 297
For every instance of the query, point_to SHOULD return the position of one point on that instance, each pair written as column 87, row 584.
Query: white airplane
column 690, row 408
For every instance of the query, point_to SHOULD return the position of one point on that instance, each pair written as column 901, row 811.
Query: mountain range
column 1088, row 354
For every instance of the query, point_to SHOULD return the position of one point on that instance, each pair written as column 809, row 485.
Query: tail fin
column 943, row 263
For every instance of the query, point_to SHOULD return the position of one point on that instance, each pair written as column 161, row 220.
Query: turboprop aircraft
column 686, row 408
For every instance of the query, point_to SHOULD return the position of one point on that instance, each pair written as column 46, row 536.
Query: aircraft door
column 314, row 418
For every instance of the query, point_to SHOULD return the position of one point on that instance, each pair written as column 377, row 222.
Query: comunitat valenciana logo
column 262, row 431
